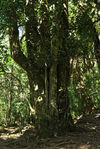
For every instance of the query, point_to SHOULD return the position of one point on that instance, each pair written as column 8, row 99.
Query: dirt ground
column 86, row 136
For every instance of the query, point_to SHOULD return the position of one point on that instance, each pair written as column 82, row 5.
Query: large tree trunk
column 59, row 102
column 63, row 70
column 56, row 74
column 97, row 49
column 63, row 103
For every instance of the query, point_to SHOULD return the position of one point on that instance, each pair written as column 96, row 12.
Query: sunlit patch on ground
column 97, row 115
column 10, row 133
column 84, row 147
column 71, row 146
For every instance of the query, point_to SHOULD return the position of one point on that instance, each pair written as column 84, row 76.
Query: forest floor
column 86, row 136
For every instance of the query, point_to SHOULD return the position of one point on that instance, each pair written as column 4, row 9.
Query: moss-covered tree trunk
column 97, row 48
column 63, row 101
column 50, row 71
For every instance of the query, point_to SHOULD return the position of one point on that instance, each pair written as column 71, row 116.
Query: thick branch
column 31, row 31
column 15, row 48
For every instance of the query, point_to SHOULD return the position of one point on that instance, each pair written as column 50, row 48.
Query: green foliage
column 84, row 90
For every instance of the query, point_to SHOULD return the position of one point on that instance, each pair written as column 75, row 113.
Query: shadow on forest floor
column 86, row 136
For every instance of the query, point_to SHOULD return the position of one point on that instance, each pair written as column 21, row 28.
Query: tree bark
column 97, row 49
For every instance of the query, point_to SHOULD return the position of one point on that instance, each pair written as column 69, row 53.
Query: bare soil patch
column 85, row 136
